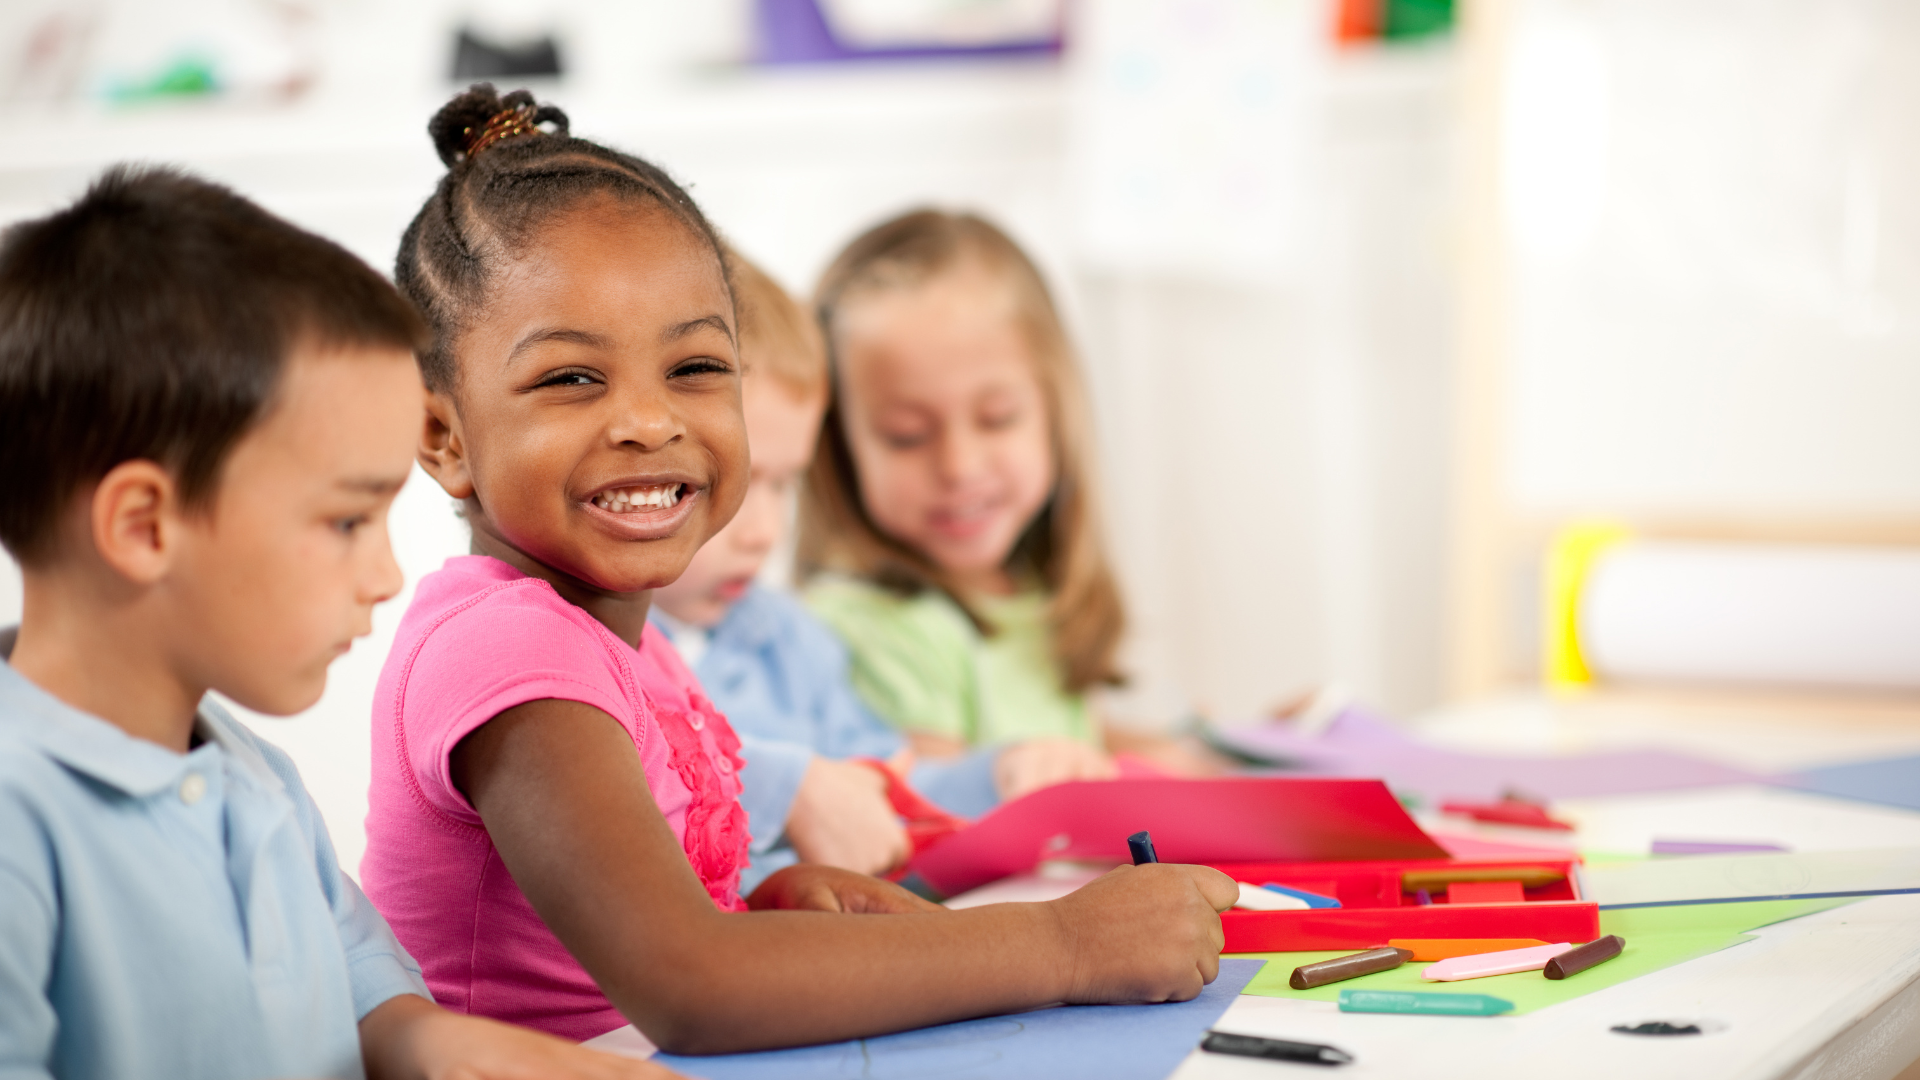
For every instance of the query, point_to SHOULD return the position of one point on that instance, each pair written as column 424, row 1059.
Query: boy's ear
column 443, row 451
column 134, row 517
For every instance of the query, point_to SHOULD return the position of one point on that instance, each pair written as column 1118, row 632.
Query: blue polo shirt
column 780, row 676
column 166, row 915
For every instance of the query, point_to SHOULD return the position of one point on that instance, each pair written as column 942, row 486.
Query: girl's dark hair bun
column 454, row 126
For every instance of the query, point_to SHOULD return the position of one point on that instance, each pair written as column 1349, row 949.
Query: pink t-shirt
column 480, row 638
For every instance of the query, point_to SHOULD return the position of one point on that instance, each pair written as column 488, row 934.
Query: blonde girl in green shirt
column 948, row 527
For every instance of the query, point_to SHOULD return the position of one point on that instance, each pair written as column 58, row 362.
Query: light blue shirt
column 173, row 916
column 780, row 676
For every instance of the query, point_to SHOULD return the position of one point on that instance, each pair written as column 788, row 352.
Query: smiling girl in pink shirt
column 554, row 830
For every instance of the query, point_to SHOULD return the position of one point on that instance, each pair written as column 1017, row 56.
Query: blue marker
column 1141, row 845
column 1313, row 899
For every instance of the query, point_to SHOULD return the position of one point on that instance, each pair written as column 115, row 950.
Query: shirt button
column 697, row 720
column 193, row 788
column 725, row 765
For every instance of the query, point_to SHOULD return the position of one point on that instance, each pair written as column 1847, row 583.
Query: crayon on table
column 1140, row 844
column 1420, row 1003
column 1222, row 1042
column 1425, row 949
column 1574, row 961
column 1495, row 963
column 1342, row 968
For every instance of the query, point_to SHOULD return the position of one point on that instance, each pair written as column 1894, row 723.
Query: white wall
column 1275, row 451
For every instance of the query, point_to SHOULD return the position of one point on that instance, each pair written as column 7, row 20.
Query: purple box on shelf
column 798, row 32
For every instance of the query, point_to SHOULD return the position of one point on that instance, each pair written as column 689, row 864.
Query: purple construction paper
column 795, row 32
column 1095, row 1042
column 1356, row 744
column 1710, row 847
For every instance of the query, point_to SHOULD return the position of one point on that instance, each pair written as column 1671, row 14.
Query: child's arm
column 841, row 817
column 566, row 802
column 410, row 1038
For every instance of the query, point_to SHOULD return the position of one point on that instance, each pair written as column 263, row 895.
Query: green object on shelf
column 187, row 76
column 1403, row 19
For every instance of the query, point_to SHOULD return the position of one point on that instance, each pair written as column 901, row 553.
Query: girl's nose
column 960, row 454
column 642, row 419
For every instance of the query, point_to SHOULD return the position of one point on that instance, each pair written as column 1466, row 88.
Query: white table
column 1833, row 996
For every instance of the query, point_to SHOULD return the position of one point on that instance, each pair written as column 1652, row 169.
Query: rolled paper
column 1342, row 968
column 1576, row 960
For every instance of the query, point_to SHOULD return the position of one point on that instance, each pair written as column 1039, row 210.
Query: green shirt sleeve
column 911, row 658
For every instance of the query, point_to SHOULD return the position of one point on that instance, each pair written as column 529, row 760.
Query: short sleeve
column 910, row 658
column 487, row 658
column 28, row 1023
column 378, row 966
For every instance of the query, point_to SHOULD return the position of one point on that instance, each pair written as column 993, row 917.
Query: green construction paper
column 1656, row 938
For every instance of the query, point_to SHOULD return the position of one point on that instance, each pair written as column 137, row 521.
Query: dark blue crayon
column 1141, row 844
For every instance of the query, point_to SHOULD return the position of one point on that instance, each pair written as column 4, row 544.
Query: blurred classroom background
column 1398, row 318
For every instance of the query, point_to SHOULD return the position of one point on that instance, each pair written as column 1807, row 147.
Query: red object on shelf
column 1374, row 908
column 1358, row 20
column 1507, row 812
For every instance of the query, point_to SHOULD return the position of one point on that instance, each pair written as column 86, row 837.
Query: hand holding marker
column 1140, row 846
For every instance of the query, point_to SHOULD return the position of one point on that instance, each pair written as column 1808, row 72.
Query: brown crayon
column 1341, row 968
column 1576, row 960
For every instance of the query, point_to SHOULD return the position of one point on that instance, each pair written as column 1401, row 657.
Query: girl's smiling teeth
column 628, row 500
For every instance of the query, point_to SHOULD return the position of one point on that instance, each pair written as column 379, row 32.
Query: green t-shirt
column 919, row 663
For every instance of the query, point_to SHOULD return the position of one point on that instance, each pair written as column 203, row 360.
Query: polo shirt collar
column 97, row 749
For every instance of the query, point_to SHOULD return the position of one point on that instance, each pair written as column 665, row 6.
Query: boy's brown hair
column 1063, row 544
column 777, row 337
column 153, row 319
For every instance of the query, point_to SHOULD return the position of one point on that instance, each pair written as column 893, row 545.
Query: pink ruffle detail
column 716, row 837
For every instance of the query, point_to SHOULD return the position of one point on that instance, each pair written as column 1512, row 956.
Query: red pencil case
column 1375, row 907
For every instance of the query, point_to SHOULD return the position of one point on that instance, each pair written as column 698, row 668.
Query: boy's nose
column 384, row 578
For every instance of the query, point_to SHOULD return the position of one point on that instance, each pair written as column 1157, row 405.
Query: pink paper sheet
column 1231, row 819
column 1356, row 744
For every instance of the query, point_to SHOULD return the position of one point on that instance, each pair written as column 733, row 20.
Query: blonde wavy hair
column 1062, row 545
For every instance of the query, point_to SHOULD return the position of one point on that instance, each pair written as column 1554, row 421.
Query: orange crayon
column 1448, row 948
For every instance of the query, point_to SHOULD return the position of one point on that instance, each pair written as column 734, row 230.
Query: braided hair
column 511, row 165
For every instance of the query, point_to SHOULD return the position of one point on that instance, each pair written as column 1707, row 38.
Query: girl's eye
column 1000, row 420
column 903, row 440
column 702, row 366
column 349, row 525
column 567, row 378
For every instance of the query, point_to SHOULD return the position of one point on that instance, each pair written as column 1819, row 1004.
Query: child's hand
column 410, row 1037
column 825, row 888
column 1039, row 763
column 1146, row 933
column 841, row 817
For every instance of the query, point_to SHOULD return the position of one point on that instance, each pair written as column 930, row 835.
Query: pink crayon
column 1494, row 963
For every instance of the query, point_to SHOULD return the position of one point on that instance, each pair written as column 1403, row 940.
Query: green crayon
column 1419, row 1004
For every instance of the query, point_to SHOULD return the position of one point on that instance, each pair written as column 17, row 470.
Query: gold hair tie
column 505, row 124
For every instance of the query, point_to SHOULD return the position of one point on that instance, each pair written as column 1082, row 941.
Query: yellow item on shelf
column 1570, row 560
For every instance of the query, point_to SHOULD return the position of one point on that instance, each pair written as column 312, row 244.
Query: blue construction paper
column 1097, row 1042
column 1893, row 781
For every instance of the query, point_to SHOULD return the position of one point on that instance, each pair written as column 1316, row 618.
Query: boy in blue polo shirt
column 204, row 416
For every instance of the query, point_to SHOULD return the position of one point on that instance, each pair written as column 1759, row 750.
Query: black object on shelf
column 474, row 57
